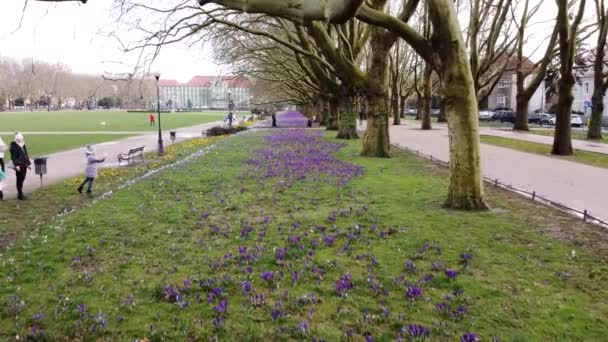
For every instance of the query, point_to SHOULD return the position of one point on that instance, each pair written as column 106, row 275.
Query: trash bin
column 40, row 167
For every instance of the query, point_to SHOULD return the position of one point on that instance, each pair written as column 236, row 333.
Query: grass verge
column 576, row 134
column 584, row 157
column 181, row 256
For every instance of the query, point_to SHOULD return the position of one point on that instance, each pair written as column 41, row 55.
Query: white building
column 583, row 91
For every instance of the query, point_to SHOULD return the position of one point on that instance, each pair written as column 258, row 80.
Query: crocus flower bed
column 291, row 119
column 256, row 242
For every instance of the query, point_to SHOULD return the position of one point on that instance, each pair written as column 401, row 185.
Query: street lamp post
column 161, row 149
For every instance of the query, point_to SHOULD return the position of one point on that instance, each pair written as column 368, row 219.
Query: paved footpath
column 574, row 184
column 68, row 164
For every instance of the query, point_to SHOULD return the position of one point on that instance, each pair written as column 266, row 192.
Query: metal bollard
column 585, row 216
column 534, row 195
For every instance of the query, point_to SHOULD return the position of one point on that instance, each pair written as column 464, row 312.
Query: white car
column 575, row 120
column 486, row 115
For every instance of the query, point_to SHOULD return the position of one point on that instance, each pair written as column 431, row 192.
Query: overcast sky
column 68, row 32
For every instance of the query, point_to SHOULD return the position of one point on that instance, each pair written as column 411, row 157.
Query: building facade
column 504, row 95
column 206, row 92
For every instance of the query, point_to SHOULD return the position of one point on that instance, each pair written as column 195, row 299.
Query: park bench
column 132, row 155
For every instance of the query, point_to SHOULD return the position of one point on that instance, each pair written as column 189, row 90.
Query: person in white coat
column 91, row 170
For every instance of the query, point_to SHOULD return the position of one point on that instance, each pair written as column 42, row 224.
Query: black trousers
column 87, row 180
column 20, row 179
column 2, row 164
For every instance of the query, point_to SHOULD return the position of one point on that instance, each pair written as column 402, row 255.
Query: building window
column 502, row 83
column 501, row 100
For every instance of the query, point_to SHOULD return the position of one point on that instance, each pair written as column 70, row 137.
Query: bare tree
column 600, row 78
column 567, row 30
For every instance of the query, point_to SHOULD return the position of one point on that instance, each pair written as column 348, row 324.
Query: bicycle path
column 71, row 163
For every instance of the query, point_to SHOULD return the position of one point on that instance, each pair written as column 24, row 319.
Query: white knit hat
column 19, row 137
column 89, row 150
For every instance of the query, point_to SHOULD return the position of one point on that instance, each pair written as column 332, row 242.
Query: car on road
column 486, row 115
column 539, row 118
column 504, row 116
column 410, row 111
column 575, row 120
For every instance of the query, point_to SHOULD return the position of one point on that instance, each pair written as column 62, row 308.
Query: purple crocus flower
column 279, row 254
column 413, row 292
column 451, row 274
column 468, row 337
column 245, row 287
column 328, row 240
column 417, row 331
column 343, row 284
column 409, row 265
column 268, row 276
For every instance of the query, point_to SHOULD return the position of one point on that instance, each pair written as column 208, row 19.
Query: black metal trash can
column 40, row 167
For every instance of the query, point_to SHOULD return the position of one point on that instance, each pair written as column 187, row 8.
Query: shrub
column 218, row 130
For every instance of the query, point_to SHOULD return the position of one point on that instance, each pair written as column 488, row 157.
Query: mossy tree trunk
column 562, row 141
column 600, row 84
column 427, row 96
column 348, row 119
column 521, row 118
column 459, row 98
column 334, row 114
column 395, row 103
column 376, row 141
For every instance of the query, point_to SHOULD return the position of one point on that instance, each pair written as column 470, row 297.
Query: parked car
column 410, row 111
column 486, row 115
column 435, row 112
column 539, row 118
column 575, row 120
column 504, row 116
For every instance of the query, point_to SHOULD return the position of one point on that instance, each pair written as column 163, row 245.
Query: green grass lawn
column 43, row 144
column 91, row 121
column 102, row 272
column 585, row 157
column 576, row 134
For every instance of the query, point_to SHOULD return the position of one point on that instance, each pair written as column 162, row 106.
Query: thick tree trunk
column 348, row 120
column 376, row 137
column 597, row 113
column 521, row 118
column 395, row 103
column 562, row 141
column 402, row 107
column 334, row 114
column 427, row 96
column 459, row 98
column 442, row 116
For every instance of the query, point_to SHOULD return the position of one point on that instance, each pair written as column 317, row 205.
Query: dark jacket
column 19, row 155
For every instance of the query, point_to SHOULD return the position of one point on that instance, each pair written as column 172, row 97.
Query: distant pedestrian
column 361, row 117
column 21, row 162
column 2, row 176
column 2, row 150
column 2, row 168
column 274, row 120
column 91, row 169
column 309, row 123
column 230, row 118
column 152, row 120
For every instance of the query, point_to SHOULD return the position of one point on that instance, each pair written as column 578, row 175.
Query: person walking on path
column 91, row 169
column 361, row 117
column 2, row 150
column 21, row 162
column 230, row 118
column 152, row 120
column 274, row 120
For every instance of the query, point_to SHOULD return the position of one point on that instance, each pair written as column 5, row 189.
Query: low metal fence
column 533, row 195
